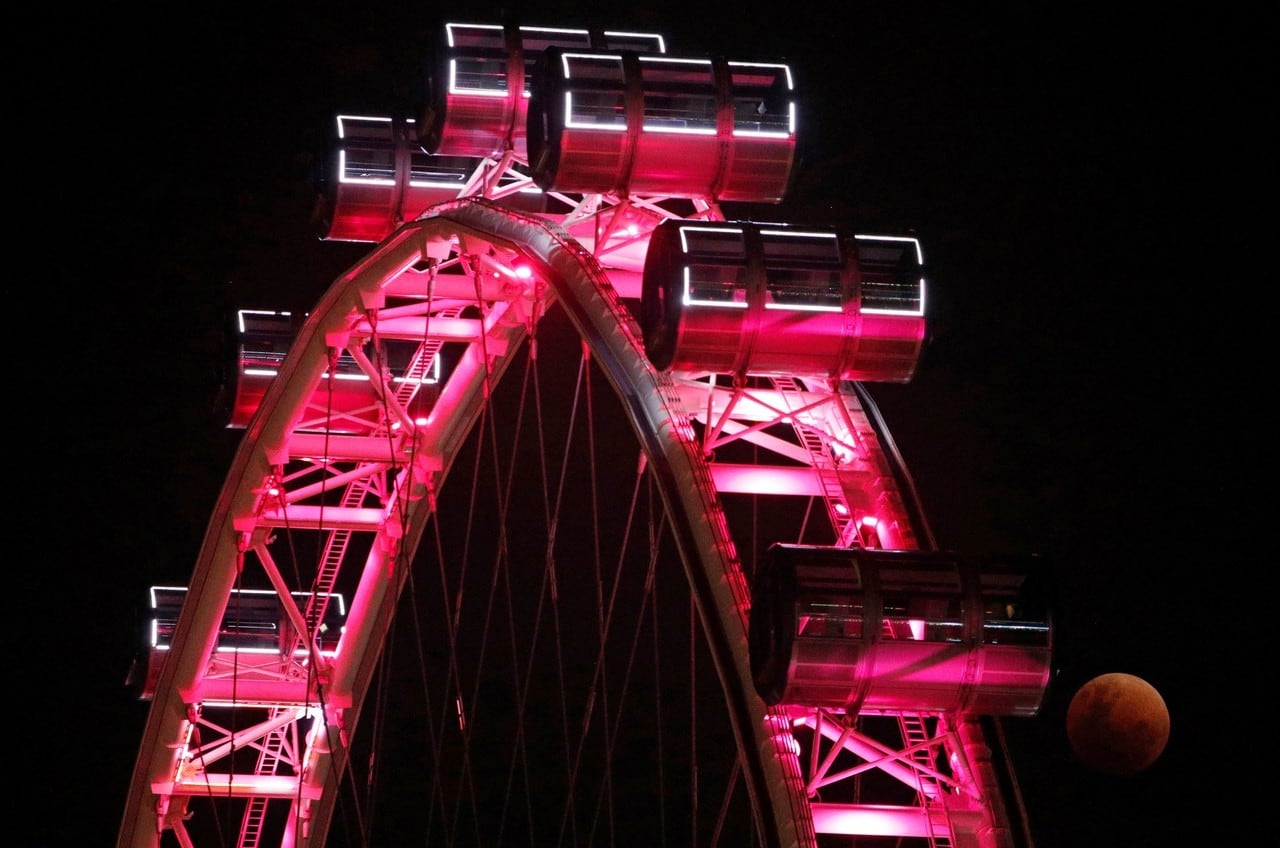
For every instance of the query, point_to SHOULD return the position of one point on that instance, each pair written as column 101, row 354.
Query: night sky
column 1077, row 398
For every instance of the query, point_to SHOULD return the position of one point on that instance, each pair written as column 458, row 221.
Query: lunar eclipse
column 1118, row 724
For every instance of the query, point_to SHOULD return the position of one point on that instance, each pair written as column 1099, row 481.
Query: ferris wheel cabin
column 629, row 123
column 741, row 297
column 260, row 341
column 481, row 81
column 376, row 176
column 258, row 650
column 865, row 630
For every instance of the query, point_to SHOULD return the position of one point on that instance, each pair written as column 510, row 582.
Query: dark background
column 1071, row 172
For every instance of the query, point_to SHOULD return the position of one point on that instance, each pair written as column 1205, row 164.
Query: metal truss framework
column 469, row 281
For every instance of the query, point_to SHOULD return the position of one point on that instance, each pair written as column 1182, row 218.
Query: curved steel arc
column 170, row 769
column 237, row 526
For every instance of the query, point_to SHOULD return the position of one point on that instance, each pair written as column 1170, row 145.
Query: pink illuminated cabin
column 621, row 122
column 261, row 341
column 482, row 79
column 256, row 626
column 377, row 177
column 856, row 629
column 743, row 297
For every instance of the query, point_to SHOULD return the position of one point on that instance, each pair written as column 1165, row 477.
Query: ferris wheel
column 565, row 516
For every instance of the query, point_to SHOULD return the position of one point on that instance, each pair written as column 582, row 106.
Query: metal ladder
column 915, row 737
column 823, row 463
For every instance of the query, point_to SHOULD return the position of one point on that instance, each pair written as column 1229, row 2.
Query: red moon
column 1118, row 724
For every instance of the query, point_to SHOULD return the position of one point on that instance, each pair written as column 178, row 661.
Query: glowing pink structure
column 790, row 605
